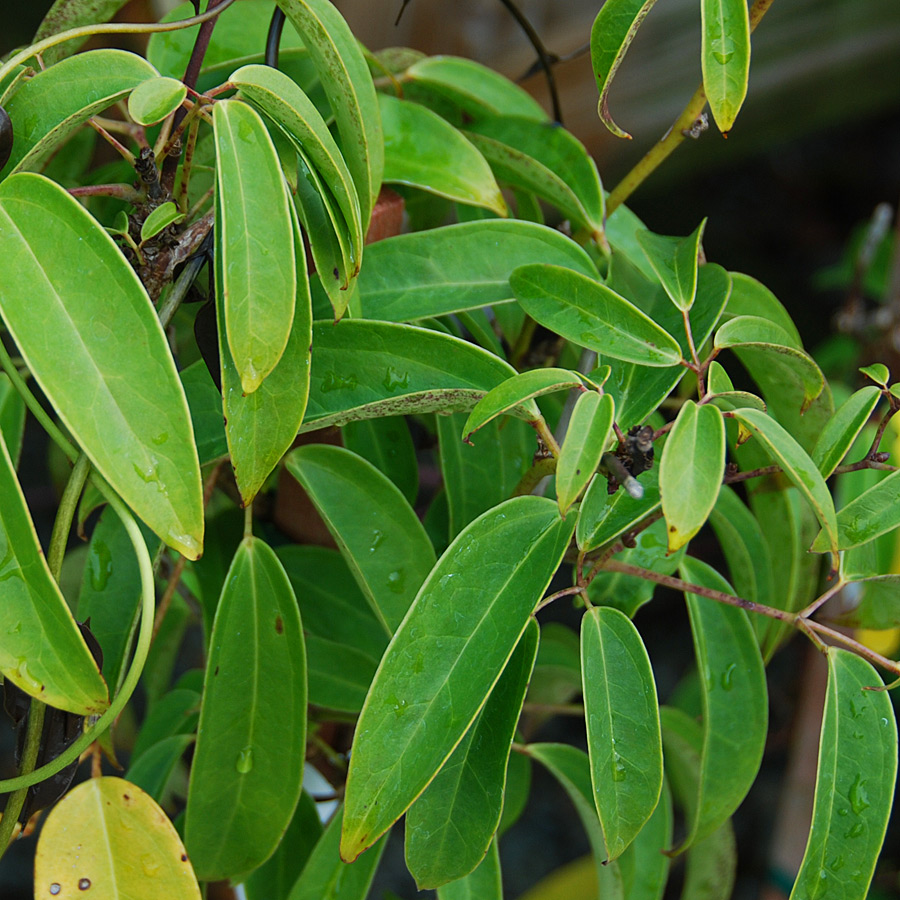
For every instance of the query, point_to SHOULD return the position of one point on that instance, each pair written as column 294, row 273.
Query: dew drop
column 100, row 565
column 836, row 864
column 855, row 830
column 394, row 379
column 722, row 58
column 859, row 797
column 377, row 538
column 419, row 664
column 244, row 761
column 619, row 772
column 55, row 888
column 727, row 678
column 395, row 582
column 14, row 629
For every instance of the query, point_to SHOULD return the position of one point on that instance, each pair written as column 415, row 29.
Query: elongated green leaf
column 517, row 394
column 152, row 770
column 751, row 298
column 725, row 57
column 611, row 36
column 798, row 467
column 723, row 395
column 345, row 76
column 450, row 826
column 377, row 531
column 622, row 716
column 255, row 239
column 46, row 109
column 388, row 445
column 445, row 658
column 691, row 470
column 260, row 427
column 279, row 873
column 855, row 783
column 873, row 513
column 644, row 864
column 423, row 150
column 473, row 87
column 457, row 267
column 279, row 97
column 43, row 652
column 106, row 834
column 603, row 517
column 251, row 738
column 674, row 260
column 110, row 594
column 152, row 100
column 587, row 437
column 66, row 14
column 326, row 875
column 12, row 418
column 735, row 702
column 481, row 475
column 753, row 329
column 362, row 369
column 483, row 883
column 842, row 430
column 126, row 407
column 175, row 713
column 589, row 313
column 557, row 164
column 572, row 769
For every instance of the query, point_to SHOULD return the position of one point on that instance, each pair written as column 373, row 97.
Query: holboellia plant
column 575, row 388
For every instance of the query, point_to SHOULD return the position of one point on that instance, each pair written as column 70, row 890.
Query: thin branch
column 121, row 191
column 565, row 592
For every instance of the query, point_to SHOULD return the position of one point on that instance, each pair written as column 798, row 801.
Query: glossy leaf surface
column 104, row 838
column 43, row 652
column 66, row 14
column 644, row 865
column 603, row 517
column 735, row 702
column 387, row 444
column 126, row 408
column 611, row 35
column 46, row 109
column 587, row 437
column 725, row 57
column 252, row 733
column 589, row 313
column 363, row 369
column 675, row 262
column 855, row 783
column 446, row 657
column 152, row 770
column 379, row 535
column 423, row 150
column 838, row 435
column 622, row 715
column 12, row 418
column 161, row 217
column 450, row 826
column 691, row 469
column 483, row 883
column 255, row 238
column 152, row 100
column 798, row 467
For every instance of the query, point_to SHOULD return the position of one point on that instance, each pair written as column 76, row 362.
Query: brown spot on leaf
column 279, row 625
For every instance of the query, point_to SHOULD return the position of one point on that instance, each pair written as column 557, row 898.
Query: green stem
column 532, row 478
column 16, row 800
column 64, row 515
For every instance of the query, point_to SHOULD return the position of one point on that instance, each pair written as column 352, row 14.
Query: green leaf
column 572, row 769
column 445, row 658
column 546, row 159
column 722, row 394
column 735, row 702
column 364, row 369
column 515, row 795
column 66, row 14
column 110, row 594
column 327, row 875
column 725, row 57
column 557, row 672
column 481, row 475
column 450, row 826
column 205, row 404
column 256, row 241
column 644, row 864
column 457, row 267
column 108, row 832
column 162, row 217
column 751, row 298
column 43, row 652
column 175, row 713
column 126, row 408
column 871, row 514
column 674, row 260
column 252, row 736
column 589, row 313
column 276, row 877
column 260, row 427
column 152, row 100
column 611, row 36
column 878, row 372
column 855, row 782
column 622, row 715
column 425, row 151
column 388, row 445
column 351, row 93
column 603, row 517
column 47, row 108
column 12, row 418
column 587, row 437
column 516, row 396
column 152, row 770
column 378, row 532
column 798, row 467
column 843, row 428
column 483, row 883
column 473, row 87
column 279, row 97
column 691, row 470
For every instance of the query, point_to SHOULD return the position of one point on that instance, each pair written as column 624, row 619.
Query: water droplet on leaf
column 244, row 761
